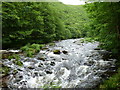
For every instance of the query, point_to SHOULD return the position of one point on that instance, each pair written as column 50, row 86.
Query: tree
column 105, row 24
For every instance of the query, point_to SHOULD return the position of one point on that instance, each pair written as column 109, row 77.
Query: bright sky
column 72, row 2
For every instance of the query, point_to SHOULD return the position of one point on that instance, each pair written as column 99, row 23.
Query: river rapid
column 78, row 65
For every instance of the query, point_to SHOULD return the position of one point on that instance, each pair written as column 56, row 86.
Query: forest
column 39, row 23
column 48, row 21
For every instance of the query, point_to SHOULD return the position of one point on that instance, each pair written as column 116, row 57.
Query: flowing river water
column 78, row 65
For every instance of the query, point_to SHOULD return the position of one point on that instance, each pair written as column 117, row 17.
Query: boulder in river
column 56, row 52
column 65, row 52
column 97, row 49
column 48, row 72
column 31, row 67
column 41, row 58
column 52, row 63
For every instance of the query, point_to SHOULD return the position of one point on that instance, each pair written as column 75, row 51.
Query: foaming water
column 80, row 67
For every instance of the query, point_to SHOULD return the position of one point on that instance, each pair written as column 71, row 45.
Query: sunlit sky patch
column 72, row 2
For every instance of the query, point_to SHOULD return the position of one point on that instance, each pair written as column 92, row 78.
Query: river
column 77, row 65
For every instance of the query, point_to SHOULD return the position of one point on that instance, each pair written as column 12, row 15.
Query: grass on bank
column 112, row 82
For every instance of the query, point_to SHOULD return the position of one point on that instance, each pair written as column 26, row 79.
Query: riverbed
column 77, row 65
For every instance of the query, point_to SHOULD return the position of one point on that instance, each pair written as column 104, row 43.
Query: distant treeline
column 40, row 22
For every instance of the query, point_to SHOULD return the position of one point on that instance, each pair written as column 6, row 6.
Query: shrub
column 17, row 62
column 30, row 50
column 14, row 56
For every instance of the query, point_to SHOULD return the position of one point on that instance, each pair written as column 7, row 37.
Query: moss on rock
column 56, row 52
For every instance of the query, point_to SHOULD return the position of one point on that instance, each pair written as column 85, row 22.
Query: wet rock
column 97, row 49
column 74, row 42
column 40, row 65
column 56, row 52
column 41, row 58
column 53, row 59
column 45, row 48
column 48, row 72
column 52, row 63
column 31, row 67
column 64, row 59
column 65, row 52
column 15, row 72
column 26, row 60
column 19, row 69
column 20, row 77
column 36, row 73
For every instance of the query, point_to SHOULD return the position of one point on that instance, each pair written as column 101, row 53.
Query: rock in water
column 52, row 63
column 65, row 52
column 56, row 52
column 48, row 72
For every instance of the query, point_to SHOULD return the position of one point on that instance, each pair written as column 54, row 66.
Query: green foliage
column 30, row 50
column 37, row 47
column 14, row 56
column 112, row 82
column 4, row 69
column 51, row 44
column 17, row 59
column 41, row 22
column 31, row 22
column 18, row 62
column 86, row 40
column 75, row 20
column 105, row 24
